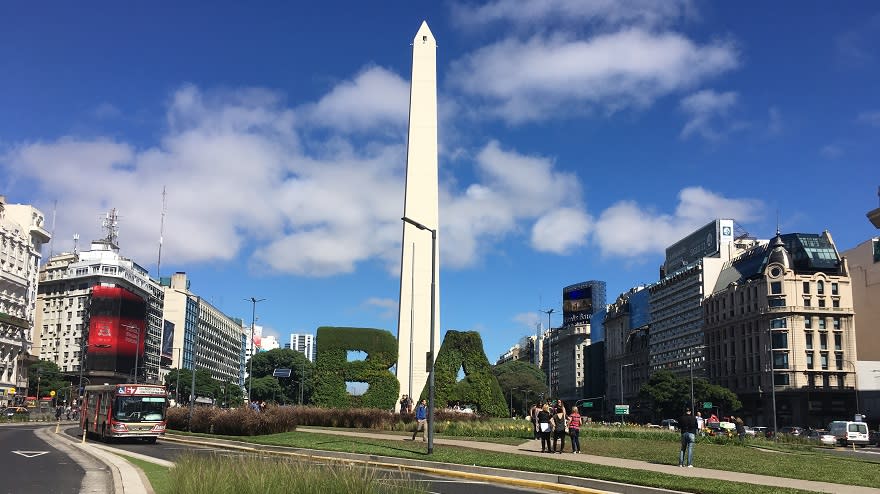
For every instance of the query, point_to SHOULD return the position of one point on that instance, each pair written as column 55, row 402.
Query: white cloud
column 628, row 230
column 375, row 98
column 106, row 111
column 775, row 124
column 869, row 117
column 560, row 231
column 831, row 151
column 549, row 76
column 388, row 307
column 532, row 13
column 704, row 108
column 528, row 319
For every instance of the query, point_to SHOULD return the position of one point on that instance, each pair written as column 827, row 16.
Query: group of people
column 552, row 421
column 68, row 411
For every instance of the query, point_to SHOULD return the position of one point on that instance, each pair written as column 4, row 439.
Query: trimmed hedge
column 464, row 350
column 240, row 421
column 333, row 370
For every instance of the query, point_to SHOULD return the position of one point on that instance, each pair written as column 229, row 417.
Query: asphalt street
column 170, row 451
column 30, row 465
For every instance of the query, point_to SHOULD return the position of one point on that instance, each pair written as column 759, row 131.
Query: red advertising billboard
column 117, row 321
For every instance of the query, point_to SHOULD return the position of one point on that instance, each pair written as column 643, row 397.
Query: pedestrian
column 533, row 416
column 58, row 411
column 688, row 425
column 700, row 423
column 560, row 429
column 574, row 430
column 544, row 418
column 422, row 419
column 740, row 428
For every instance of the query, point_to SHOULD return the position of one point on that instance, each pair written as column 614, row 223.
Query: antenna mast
column 110, row 224
column 52, row 241
column 161, row 234
column 75, row 243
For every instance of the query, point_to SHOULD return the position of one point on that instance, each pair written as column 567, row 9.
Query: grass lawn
column 467, row 456
column 158, row 475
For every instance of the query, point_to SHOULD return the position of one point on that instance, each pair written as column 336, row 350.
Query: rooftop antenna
column 777, row 222
column 110, row 224
column 161, row 233
column 52, row 240
column 75, row 243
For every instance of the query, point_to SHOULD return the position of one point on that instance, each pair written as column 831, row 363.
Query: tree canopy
column 179, row 384
column 289, row 388
column 46, row 376
column 669, row 394
column 520, row 381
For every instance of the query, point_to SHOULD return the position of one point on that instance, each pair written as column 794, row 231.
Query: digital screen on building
column 117, row 318
column 577, row 304
column 702, row 243
column 167, row 339
column 639, row 309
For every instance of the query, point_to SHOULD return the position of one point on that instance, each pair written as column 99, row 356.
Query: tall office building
column 566, row 346
column 687, row 277
column 627, row 324
column 202, row 336
column 94, row 313
column 779, row 329
column 22, row 236
column 303, row 343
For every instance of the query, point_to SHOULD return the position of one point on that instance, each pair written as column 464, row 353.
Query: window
column 780, row 360
column 780, row 379
column 838, row 361
column 808, row 322
column 837, row 342
column 777, row 323
column 779, row 339
column 824, row 361
column 776, row 287
column 776, row 302
column 809, row 360
column 835, row 323
column 821, row 323
column 834, row 289
column 820, row 287
column 806, row 287
column 821, row 302
column 823, row 341
column 835, row 302
column 809, row 340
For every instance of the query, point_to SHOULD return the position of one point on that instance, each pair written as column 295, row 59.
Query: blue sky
column 578, row 140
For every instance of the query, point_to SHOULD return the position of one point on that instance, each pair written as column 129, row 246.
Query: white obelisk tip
column 424, row 35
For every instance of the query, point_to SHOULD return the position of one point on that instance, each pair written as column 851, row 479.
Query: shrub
column 235, row 421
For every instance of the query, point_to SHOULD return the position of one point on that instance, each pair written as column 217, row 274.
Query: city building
column 203, row 336
column 96, row 314
column 303, row 343
column 688, row 275
column 269, row 342
column 566, row 345
column 627, row 325
column 780, row 332
column 22, row 236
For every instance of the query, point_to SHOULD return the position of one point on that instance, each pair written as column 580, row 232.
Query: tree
column 520, row 380
column 669, row 394
column 46, row 376
column 301, row 372
column 266, row 388
column 206, row 386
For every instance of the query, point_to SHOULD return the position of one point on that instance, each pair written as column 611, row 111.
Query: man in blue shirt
column 422, row 417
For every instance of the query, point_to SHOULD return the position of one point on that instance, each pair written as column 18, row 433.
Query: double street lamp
column 433, row 312
column 253, row 301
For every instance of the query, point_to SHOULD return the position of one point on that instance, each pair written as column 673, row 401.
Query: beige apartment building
column 779, row 326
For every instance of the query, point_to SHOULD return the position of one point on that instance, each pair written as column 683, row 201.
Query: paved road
column 169, row 451
column 30, row 465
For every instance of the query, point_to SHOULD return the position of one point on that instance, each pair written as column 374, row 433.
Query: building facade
column 626, row 348
column 22, row 235
column 303, row 343
column 780, row 328
column 93, row 313
column 203, row 336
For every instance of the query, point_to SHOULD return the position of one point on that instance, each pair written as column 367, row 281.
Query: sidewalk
column 531, row 448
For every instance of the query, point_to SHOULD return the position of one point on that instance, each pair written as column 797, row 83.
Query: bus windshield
column 139, row 408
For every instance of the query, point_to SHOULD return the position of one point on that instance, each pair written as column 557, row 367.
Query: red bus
column 113, row 411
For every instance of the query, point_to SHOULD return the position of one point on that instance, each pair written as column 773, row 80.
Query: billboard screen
column 704, row 242
column 577, row 304
column 117, row 318
column 167, row 339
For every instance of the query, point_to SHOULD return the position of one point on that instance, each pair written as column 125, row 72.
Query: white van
column 848, row 432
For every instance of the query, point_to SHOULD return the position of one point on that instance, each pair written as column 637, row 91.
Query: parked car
column 16, row 412
column 761, row 431
column 874, row 437
column 792, row 430
column 669, row 424
column 822, row 436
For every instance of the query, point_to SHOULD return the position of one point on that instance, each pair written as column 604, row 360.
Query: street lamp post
column 549, row 348
column 253, row 301
column 621, row 385
column 693, row 403
column 433, row 312
column 137, row 348
column 855, row 384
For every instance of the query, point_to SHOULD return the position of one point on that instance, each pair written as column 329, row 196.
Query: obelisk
column 420, row 206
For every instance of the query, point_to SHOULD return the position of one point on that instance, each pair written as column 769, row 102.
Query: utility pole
column 549, row 348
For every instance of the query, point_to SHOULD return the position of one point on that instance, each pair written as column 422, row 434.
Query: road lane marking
column 31, row 454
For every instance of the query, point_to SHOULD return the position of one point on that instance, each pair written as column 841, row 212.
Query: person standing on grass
column 422, row 418
column 533, row 414
column 544, row 419
column 700, row 423
column 574, row 430
column 688, row 425
column 560, row 429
